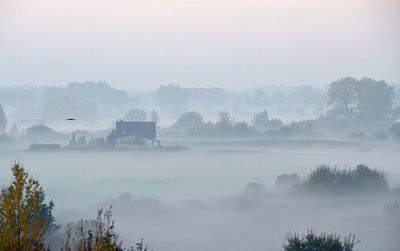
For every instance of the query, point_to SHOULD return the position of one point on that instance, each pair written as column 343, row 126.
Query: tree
column 286, row 181
column 40, row 131
column 260, row 97
column 188, row 121
column 172, row 99
column 154, row 116
column 68, row 106
column 375, row 99
column 396, row 113
column 24, row 217
column 342, row 95
column 261, row 120
column 3, row 120
column 362, row 99
column 395, row 129
column 224, row 120
column 136, row 115
column 109, row 100
column 14, row 130
column 242, row 129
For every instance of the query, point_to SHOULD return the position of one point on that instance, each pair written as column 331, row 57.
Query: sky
column 140, row 45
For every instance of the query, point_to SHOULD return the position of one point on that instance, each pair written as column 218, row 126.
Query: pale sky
column 235, row 44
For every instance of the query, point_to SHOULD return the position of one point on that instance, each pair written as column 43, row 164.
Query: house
column 144, row 129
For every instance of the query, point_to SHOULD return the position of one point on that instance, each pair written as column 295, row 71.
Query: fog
column 211, row 168
column 200, row 125
column 196, row 200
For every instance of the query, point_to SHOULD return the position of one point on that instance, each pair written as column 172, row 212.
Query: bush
column 327, row 180
column 255, row 190
column 41, row 131
column 286, row 181
column 95, row 235
column 323, row 242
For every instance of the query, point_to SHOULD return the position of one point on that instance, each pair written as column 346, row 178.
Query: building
column 44, row 147
column 146, row 130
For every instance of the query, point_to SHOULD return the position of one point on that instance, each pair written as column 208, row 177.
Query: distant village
column 346, row 110
column 127, row 135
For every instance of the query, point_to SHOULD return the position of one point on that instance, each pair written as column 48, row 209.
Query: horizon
column 239, row 89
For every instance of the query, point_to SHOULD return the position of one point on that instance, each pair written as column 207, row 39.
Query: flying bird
column 70, row 119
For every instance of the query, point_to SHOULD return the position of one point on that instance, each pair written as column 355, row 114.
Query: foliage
column 96, row 235
column 301, row 128
column 395, row 130
column 241, row 128
column 255, row 190
column 259, row 97
column 100, row 142
column 77, row 143
column 104, row 238
column 14, row 130
column 375, row 98
column 396, row 111
column 24, row 218
column 275, row 124
column 364, row 99
column 342, row 95
column 322, row 242
column 224, row 121
column 172, row 99
column 46, row 211
column 154, row 116
column 40, row 132
column 68, row 106
column 261, row 120
column 109, row 101
column 357, row 136
column 188, row 121
column 3, row 120
column 327, row 180
column 110, row 138
column 286, row 181
column 192, row 123
column 136, row 115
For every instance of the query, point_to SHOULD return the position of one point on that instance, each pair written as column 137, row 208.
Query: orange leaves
column 22, row 227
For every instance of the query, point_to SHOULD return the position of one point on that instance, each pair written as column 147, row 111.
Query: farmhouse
column 142, row 129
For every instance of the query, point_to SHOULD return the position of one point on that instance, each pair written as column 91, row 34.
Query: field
column 190, row 200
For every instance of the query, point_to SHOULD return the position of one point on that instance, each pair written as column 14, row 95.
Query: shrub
column 95, row 235
column 362, row 179
column 323, row 242
column 81, row 236
column 286, row 181
column 255, row 190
